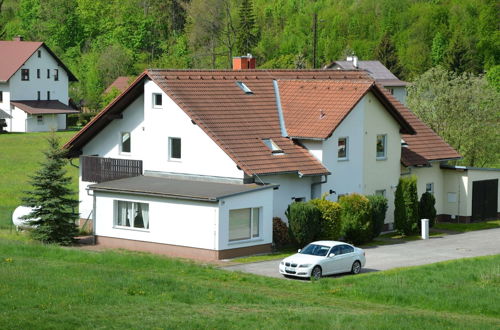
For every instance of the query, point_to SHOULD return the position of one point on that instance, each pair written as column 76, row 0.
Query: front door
column 484, row 199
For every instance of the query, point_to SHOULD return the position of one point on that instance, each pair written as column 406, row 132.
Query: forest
column 102, row 39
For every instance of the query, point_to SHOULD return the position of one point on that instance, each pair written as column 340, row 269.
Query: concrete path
column 412, row 253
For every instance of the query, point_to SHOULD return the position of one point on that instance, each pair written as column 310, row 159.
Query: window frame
column 39, row 119
column 25, row 74
column 381, row 192
column 156, row 105
column 346, row 148
column 48, row 73
column 431, row 190
column 121, row 143
column 48, row 95
column 384, row 136
column 170, row 149
column 38, row 95
column 39, row 53
column 134, row 206
column 56, row 74
column 1, row 96
column 37, row 73
column 253, row 236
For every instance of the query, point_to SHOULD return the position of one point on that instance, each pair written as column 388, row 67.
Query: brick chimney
column 18, row 38
column 244, row 62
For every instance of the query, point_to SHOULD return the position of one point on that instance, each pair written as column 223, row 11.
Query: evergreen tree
column 387, row 54
column 438, row 49
column 53, row 216
column 406, row 216
column 247, row 35
column 427, row 209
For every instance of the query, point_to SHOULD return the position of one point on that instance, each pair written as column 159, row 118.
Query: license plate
column 289, row 269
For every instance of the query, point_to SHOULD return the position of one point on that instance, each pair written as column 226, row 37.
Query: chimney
column 244, row 62
column 354, row 59
column 18, row 38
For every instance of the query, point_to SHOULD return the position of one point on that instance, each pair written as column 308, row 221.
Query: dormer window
column 275, row 149
column 244, row 87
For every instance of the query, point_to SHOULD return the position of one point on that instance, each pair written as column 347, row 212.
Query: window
column 25, row 74
column 39, row 119
column 39, row 53
column 157, row 100
column 244, row 87
column 299, row 199
column 391, row 90
column 38, row 73
column 38, row 95
column 452, row 197
column 380, row 192
column 381, row 146
column 48, row 73
column 174, row 146
column 125, row 142
column 244, row 224
column 429, row 187
column 1, row 96
column 342, row 149
column 347, row 249
column 132, row 215
column 336, row 250
column 48, row 95
column 56, row 74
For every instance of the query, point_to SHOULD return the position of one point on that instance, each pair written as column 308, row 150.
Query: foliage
column 386, row 53
column 247, row 35
column 330, row 218
column 427, row 209
column 463, row 110
column 304, row 221
column 493, row 77
column 356, row 218
column 378, row 206
column 465, row 227
column 53, row 205
column 280, row 232
column 406, row 216
column 85, row 117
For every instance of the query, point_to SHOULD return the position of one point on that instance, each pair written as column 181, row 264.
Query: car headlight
column 305, row 266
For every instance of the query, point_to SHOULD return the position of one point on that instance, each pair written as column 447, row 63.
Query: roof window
column 244, row 87
column 275, row 149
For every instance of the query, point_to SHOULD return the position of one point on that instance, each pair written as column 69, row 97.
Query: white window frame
column 429, row 187
column 121, row 143
column 381, row 192
column 134, row 206
column 170, row 157
column 253, row 237
column 157, row 106
column 385, row 147
column 346, row 145
column 39, row 119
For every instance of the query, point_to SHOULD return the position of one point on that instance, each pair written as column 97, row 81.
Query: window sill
column 256, row 239
column 381, row 158
column 131, row 229
column 342, row 159
column 177, row 160
column 128, row 154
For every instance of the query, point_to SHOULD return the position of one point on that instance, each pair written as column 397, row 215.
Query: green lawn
column 51, row 287
column 464, row 227
column 19, row 157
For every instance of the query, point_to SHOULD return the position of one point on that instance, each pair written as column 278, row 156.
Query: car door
column 332, row 263
column 348, row 257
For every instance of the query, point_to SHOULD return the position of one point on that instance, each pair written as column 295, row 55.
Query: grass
column 465, row 227
column 51, row 287
column 265, row 257
column 20, row 155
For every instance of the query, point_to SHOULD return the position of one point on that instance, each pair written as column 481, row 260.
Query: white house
column 33, row 87
column 206, row 158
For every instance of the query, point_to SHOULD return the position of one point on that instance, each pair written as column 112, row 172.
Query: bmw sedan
column 323, row 258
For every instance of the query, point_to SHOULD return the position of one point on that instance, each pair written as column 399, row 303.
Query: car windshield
column 315, row 250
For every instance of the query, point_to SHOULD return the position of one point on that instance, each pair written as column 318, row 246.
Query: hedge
column 356, row 218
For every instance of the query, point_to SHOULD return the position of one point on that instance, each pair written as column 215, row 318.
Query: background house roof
column 376, row 69
column 120, row 83
column 15, row 53
column 43, row 107
column 177, row 188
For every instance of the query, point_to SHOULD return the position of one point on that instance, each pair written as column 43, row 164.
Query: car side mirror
column 299, row 250
column 331, row 255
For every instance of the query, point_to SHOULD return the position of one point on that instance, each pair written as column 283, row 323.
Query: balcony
column 99, row 169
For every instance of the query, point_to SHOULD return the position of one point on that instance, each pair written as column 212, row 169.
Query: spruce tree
column 53, row 217
column 387, row 54
column 247, row 35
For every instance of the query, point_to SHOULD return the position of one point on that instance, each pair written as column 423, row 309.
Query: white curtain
column 123, row 214
column 145, row 215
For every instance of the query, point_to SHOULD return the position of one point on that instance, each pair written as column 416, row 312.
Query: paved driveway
column 413, row 253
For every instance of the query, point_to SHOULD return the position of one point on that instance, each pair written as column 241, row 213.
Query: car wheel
column 356, row 267
column 316, row 273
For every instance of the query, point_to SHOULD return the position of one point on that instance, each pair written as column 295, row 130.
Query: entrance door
column 484, row 199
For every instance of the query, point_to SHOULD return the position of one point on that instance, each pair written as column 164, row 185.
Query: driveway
column 412, row 253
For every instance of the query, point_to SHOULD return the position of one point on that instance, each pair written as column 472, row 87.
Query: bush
column 330, row 225
column 304, row 222
column 85, row 117
column 280, row 233
column 378, row 205
column 72, row 119
column 406, row 206
column 356, row 218
column 426, row 208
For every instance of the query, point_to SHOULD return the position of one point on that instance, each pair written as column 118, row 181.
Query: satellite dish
column 19, row 212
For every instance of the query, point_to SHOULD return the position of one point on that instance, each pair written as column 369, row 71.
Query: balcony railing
column 99, row 169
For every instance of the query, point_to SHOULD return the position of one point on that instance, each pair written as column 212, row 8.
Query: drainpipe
column 318, row 183
column 458, row 201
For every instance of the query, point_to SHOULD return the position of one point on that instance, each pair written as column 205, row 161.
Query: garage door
column 484, row 199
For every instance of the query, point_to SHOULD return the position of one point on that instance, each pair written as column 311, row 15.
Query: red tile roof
column 43, row 107
column 238, row 121
column 120, row 83
column 15, row 53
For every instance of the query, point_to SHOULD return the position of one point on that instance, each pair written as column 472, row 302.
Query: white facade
column 42, row 85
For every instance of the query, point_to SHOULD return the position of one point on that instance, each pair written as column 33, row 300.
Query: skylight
column 275, row 149
column 244, row 87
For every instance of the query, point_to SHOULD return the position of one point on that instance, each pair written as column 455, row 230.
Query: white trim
column 384, row 157
column 153, row 102
column 346, row 148
column 170, row 158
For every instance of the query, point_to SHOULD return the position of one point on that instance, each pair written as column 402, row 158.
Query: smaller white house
column 33, row 87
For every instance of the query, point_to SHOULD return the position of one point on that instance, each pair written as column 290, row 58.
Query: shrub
column 356, row 218
column 426, row 208
column 330, row 225
column 406, row 206
column 85, row 117
column 72, row 119
column 378, row 206
column 304, row 222
column 280, row 232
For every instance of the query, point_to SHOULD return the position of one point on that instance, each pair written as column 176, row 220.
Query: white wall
column 5, row 104
column 456, row 182
column 48, row 123
column 27, row 90
column 262, row 199
column 171, row 221
column 18, row 121
column 433, row 174
column 399, row 92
